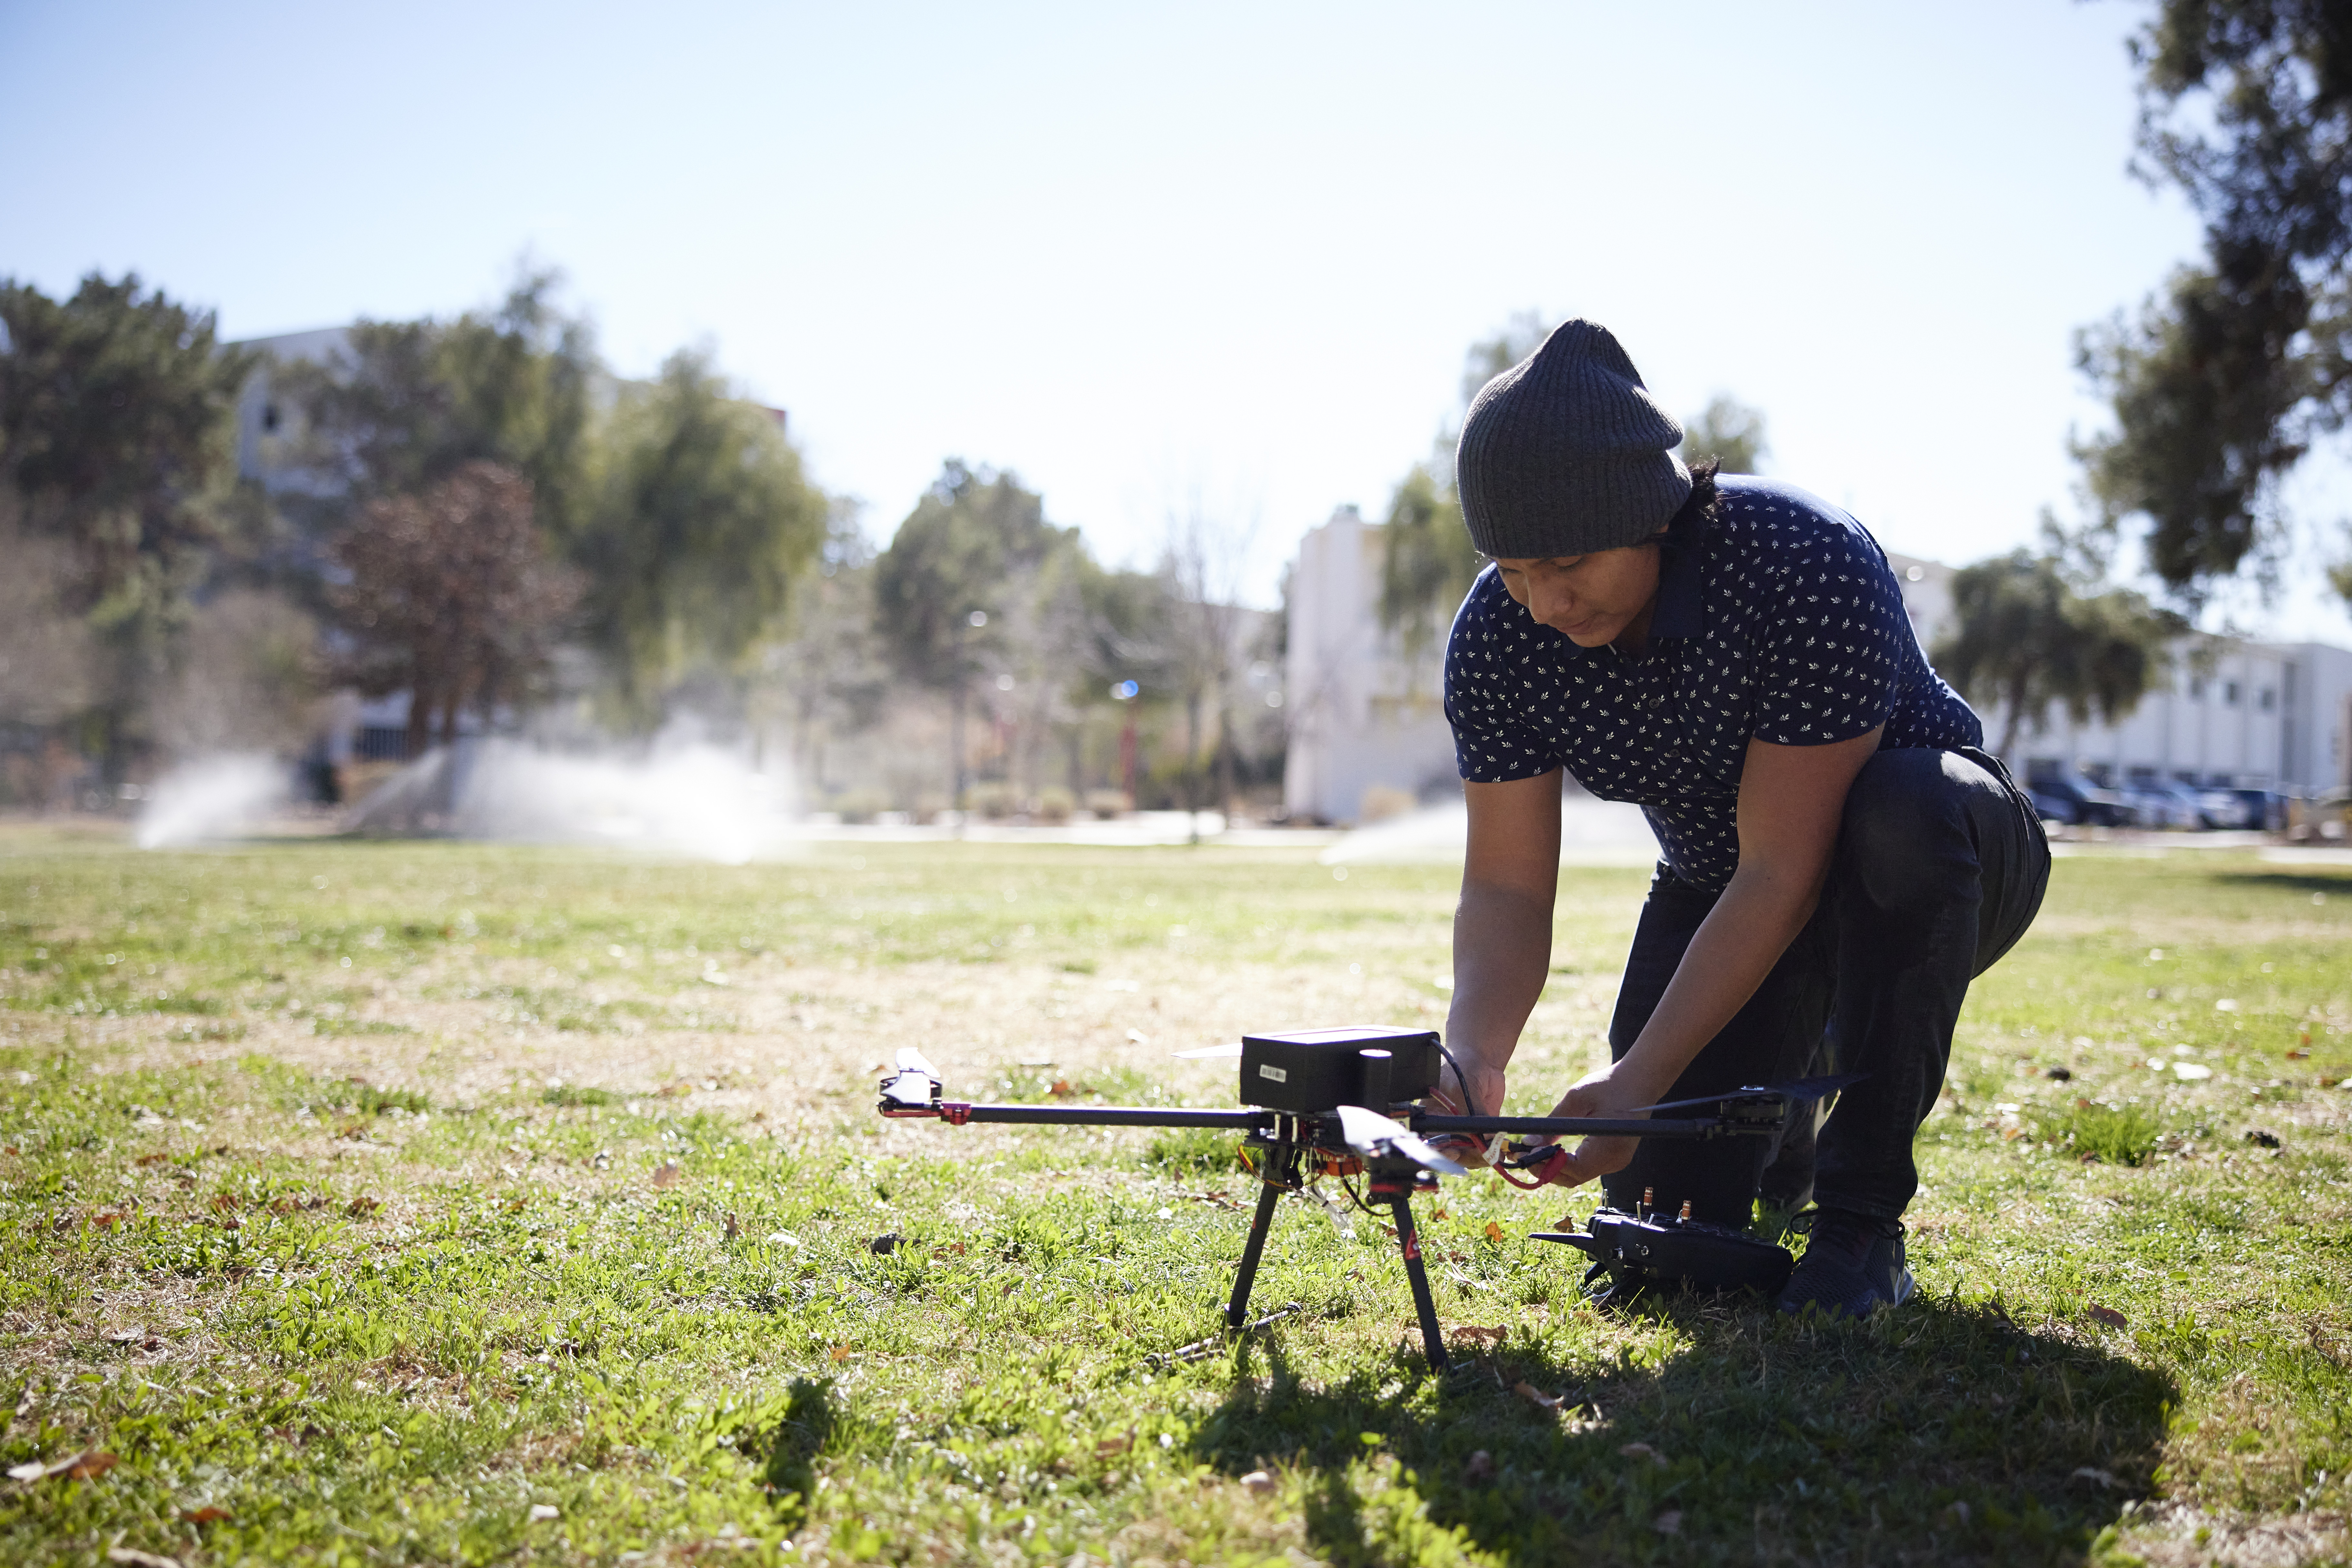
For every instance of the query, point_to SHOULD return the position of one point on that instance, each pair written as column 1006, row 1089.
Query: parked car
column 2165, row 803
column 2051, row 807
column 2262, row 809
column 2087, row 803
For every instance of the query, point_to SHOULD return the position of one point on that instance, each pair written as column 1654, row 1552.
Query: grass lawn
column 433, row 1203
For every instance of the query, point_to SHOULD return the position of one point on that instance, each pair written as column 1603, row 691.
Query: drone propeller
column 1375, row 1136
column 1803, row 1089
column 1204, row 1053
column 915, row 1082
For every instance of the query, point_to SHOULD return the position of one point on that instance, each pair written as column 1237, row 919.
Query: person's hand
column 1608, row 1092
column 1485, row 1089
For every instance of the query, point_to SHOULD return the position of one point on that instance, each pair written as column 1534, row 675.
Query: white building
column 1364, row 719
column 2245, row 714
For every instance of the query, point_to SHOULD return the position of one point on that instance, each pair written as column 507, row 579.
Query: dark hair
column 1697, row 511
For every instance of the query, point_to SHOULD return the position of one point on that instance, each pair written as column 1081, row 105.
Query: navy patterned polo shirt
column 1780, row 622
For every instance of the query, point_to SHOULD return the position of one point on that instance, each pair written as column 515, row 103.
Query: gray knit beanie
column 1566, row 452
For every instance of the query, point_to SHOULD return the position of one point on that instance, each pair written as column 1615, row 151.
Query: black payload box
column 1321, row 1069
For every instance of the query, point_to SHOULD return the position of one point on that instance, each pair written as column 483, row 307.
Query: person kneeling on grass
column 1839, row 856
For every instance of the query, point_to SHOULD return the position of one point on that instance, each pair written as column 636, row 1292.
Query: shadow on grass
column 1944, row 1433
column 2311, row 882
column 810, row 1422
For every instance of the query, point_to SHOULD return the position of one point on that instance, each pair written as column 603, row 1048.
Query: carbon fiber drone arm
column 955, row 1112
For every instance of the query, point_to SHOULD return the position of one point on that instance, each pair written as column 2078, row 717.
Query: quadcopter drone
column 1327, row 1102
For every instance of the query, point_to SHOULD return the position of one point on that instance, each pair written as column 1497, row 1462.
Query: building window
column 2270, row 699
column 2196, row 688
column 2229, row 693
column 269, row 416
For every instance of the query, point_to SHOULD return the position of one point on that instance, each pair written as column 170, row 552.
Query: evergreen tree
column 2023, row 637
column 2220, row 384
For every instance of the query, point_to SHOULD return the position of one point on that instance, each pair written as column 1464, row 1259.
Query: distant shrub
column 860, row 805
column 1054, row 805
column 577, row 1094
column 1109, row 803
column 993, row 801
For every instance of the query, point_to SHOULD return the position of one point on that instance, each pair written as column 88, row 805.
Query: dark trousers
column 1940, row 865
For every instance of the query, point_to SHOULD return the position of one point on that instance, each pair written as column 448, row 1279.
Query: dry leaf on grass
column 1480, row 1467
column 87, row 1464
column 1257, row 1481
column 208, row 1514
column 1537, row 1396
column 1644, row 1451
column 1669, row 1522
column 131, row 1557
column 667, row 1173
column 1483, row 1336
column 2108, row 1316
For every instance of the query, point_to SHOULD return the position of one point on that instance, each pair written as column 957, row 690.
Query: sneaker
column 1853, row 1267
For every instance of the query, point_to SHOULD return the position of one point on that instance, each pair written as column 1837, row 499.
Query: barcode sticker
column 1276, row 1074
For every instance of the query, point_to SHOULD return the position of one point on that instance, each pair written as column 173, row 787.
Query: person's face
column 1591, row 599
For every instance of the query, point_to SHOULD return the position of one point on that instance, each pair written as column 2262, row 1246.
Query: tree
column 827, row 672
column 1489, row 357
column 410, row 402
column 1201, row 565
column 1427, row 564
column 975, row 541
column 1728, row 431
column 244, row 669
column 2220, row 385
column 48, row 659
column 1427, row 561
column 2023, row 636
column 115, row 448
column 115, row 407
column 703, row 522
column 451, row 596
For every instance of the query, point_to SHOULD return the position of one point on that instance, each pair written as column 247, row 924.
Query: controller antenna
column 1685, row 1213
column 1649, row 1198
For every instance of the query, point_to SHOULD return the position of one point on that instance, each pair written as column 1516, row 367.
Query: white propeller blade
column 1203, row 1053
column 1367, row 1131
column 914, row 1081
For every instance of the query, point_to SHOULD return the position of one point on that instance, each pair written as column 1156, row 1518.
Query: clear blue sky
column 1140, row 254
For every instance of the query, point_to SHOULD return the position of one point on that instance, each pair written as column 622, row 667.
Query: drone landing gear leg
column 1238, row 1310
column 1398, row 1191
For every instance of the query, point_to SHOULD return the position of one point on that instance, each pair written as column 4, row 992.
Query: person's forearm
column 1502, row 955
column 1728, row 957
